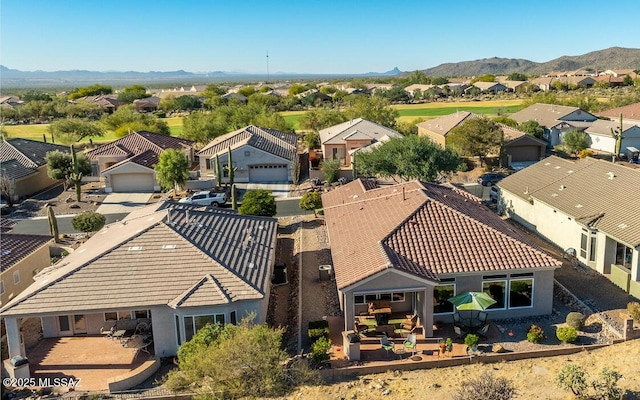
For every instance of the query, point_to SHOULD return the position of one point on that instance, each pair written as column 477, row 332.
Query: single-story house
column 23, row 162
column 556, row 120
column 11, row 101
column 629, row 112
column 172, row 265
column 414, row 245
column 514, row 85
column 22, row 257
column 437, row 129
column 235, row 96
column 587, row 205
column 107, row 102
column 543, row 83
column 259, row 154
column 339, row 140
column 126, row 164
column 600, row 137
column 493, row 87
column 520, row 147
column 148, row 104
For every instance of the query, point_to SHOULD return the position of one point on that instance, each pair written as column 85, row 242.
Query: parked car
column 491, row 178
column 206, row 198
column 494, row 194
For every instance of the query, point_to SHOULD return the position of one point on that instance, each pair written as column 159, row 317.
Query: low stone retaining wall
column 336, row 374
column 135, row 377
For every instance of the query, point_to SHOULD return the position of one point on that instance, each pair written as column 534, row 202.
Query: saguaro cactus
column 234, row 199
column 218, row 172
column 230, row 168
column 53, row 224
column 76, row 175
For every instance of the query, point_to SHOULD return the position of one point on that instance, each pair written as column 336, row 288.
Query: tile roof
column 443, row 125
column 281, row 144
column 631, row 111
column 15, row 247
column 13, row 169
column 6, row 225
column 547, row 115
column 138, row 142
column 424, row 229
column 29, row 153
column 603, row 127
column 511, row 135
column 366, row 130
column 148, row 159
column 159, row 256
column 594, row 192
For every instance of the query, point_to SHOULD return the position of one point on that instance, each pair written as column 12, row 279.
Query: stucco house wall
column 243, row 157
column 26, row 269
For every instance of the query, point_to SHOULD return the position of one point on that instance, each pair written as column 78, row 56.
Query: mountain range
column 611, row 58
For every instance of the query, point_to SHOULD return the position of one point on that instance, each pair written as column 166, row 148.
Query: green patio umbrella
column 472, row 301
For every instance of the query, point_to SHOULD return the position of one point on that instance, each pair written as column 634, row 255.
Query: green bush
column 88, row 221
column 633, row 309
column 575, row 320
column 317, row 330
column 567, row 334
column 320, row 349
column 484, row 387
column 471, row 340
column 535, row 334
column 573, row 377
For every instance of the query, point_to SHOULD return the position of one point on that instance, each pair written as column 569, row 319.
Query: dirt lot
column 63, row 201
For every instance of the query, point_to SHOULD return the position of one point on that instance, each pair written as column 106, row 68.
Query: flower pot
column 443, row 348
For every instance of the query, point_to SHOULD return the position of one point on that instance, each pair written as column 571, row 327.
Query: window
column 124, row 314
column 207, row 162
column 520, row 293
column 193, row 324
column 232, row 318
column 141, row 314
column 583, row 244
column 441, row 295
column 179, row 341
column 592, row 246
column 358, row 299
column 111, row 316
column 623, row 255
column 16, row 277
column 496, row 289
column 94, row 170
column 65, row 326
column 398, row 297
column 364, row 299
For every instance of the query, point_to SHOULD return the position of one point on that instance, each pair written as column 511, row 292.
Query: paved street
column 40, row 225
column 289, row 207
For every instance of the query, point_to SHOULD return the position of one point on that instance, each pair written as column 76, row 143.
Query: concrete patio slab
column 118, row 203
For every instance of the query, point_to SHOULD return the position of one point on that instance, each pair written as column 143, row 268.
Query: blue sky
column 324, row 36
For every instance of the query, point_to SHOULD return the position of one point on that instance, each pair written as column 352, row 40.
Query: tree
column 409, row 127
column 126, row 120
column 311, row 140
column 320, row 118
column 4, row 135
column 506, row 121
column 485, row 78
column 131, row 93
column 516, row 76
column 231, row 362
column 247, row 91
column 297, row 88
column 92, row 90
column 476, row 137
column 172, row 169
column 532, row 128
column 187, row 103
column 330, row 169
column 73, row 130
column 409, row 157
column 61, row 166
column 258, row 202
column 375, row 109
column 88, row 222
column 311, row 201
column 575, row 141
column 395, row 94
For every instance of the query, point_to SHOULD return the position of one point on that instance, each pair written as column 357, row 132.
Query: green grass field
column 408, row 113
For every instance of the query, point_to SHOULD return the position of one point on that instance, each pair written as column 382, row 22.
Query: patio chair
column 457, row 321
column 482, row 316
column 484, row 330
column 411, row 343
column 386, row 344
column 458, row 331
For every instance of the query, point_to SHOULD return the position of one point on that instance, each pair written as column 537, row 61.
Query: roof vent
column 554, row 194
column 134, row 248
column 526, row 190
column 579, row 206
column 623, row 225
column 570, row 171
column 562, row 187
column 168, row 246
column 611, row 175
column 355, row 196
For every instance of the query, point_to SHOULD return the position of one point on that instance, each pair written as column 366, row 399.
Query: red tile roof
column 423, row 229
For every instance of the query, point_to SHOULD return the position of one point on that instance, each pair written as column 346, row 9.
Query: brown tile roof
column 420, row 228
column 443, row 125
column 158, row 256
column 547, row 115
column 15, row 247
column 594, row 192
column 138, row 142
column 281, row 144
column 631, row 111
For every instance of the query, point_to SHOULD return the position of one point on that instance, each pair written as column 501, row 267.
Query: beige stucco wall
column 352, row 145
column 27, row 268
column 33, row 183
column 437, row 138
column 327, row 152
column 242, row 162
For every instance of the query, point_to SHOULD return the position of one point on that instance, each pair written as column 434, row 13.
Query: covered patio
column 93, row 360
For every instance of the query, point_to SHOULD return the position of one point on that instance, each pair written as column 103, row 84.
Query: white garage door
column 268, row 173
column 132, row 182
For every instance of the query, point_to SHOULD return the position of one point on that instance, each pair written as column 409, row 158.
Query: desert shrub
column 567, row 334
column 330, row 169
column 320, row 349
column 535, row 334
column 633, row 309
column 585, row 153
column 317, row 330
column 572, row 377
column 606, row 387
column 575, row 320
column 88, row 221
column 486, row 386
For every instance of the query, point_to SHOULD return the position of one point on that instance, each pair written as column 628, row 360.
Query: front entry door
column 69, row 325
column 64, row 325
column 80, row 324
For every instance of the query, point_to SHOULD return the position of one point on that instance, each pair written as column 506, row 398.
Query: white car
column 206, row 198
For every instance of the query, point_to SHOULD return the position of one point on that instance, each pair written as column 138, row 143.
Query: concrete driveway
column 279, row 190
column 119, row 203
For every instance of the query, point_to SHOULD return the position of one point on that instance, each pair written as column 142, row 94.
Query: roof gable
column 16, row 247
column 336, row 134
column 550, row 115
column 443, row 125
column 139, row 142
column 281, row 144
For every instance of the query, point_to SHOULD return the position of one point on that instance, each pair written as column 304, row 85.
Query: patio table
column 471, row 325
column 119, row 333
